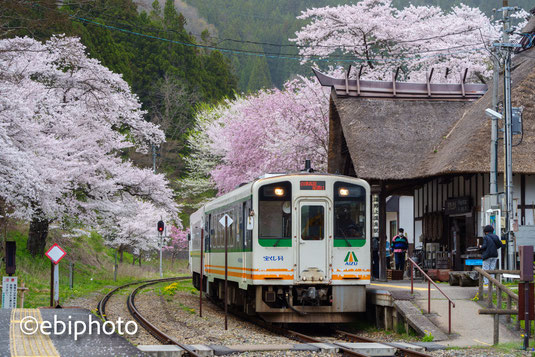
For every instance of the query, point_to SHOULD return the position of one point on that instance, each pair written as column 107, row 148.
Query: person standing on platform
column 388, row 251
column 489, row 249
column 375, row 257
column 400, row 244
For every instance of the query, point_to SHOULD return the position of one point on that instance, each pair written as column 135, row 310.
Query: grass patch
column 93, row 268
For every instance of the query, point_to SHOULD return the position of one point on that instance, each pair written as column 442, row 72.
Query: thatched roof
column 391, row 139
column 530, row 26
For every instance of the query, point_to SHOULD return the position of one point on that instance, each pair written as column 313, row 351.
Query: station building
column 432, row 142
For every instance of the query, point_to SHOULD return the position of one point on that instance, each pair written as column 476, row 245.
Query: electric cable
column 271, row 54
column 120, row 26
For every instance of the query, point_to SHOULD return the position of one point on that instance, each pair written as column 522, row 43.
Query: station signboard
column 9, row 292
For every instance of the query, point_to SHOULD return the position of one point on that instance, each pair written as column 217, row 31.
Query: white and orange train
column 298, row 247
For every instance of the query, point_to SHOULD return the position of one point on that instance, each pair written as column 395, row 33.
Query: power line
column 290, row 45
column 314, row 58
column 299, row 46
column 262, row 43
column 268, row 54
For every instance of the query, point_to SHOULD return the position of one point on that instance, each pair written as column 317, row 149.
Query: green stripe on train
column 349, row 242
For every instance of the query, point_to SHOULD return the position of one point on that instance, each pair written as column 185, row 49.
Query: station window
column 349, row 214
column 275, row 215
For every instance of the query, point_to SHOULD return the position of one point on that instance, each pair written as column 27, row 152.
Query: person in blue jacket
column 489, row 249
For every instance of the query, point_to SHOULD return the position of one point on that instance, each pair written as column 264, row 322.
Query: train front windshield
column 349, row 213
column 275, row 215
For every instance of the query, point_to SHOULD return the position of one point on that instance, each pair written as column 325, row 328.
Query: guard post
column 525, row 291
column 55, row 254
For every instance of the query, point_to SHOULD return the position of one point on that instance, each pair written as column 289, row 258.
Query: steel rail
column 101, row 306
column 405, row 351
column 153, row 330
column 308, row 339
column 284, row 331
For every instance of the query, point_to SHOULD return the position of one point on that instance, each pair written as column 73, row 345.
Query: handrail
column 429, row 282
column 502, row 287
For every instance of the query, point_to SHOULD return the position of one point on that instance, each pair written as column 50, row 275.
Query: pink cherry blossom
column 65, row 120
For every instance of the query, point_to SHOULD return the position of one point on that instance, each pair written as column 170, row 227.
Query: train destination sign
column 312, row 185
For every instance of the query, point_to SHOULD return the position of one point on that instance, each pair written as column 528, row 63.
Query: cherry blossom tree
column 276, row 130
column 65, row 120
column 134, row 226
column 270, row 131
column 178, row 241
column 414, row 39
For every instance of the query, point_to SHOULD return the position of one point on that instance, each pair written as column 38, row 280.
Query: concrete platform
column 30, row 332
column 468, row 327
column 418, row 321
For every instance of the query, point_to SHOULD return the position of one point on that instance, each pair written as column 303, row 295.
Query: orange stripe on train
column 250, row 276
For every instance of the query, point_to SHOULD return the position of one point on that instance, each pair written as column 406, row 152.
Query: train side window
column 349, row 211
column 209, row 231
column 243, row 218
column 248, row 233
column 275, row 215
column 217, row 237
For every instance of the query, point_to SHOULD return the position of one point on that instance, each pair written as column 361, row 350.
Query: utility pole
column 154, row 158
column 494, row 130
column 506, row 49
column 160, row 231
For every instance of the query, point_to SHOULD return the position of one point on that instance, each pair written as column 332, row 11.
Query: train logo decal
column 351, row 259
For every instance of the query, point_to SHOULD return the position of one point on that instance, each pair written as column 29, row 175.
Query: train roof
column 245, row 190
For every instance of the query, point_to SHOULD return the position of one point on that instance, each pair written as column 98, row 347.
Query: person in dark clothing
column 375, row 258
column 400, row 244
column 489, row 249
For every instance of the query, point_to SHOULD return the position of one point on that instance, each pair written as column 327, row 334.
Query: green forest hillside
column 265, row 26
column 170, row 78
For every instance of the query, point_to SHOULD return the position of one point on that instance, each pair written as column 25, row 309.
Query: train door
column 313, row 238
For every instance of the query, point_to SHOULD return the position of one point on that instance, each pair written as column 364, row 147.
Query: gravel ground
column 178, row 317
column 116, row 307
column 87, row 302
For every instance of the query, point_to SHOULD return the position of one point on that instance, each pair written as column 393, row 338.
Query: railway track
column 344, row 335
column 298, row 336
column 350, row 338
column 142, row 320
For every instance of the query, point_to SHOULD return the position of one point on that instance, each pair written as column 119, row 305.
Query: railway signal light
column 160, row 226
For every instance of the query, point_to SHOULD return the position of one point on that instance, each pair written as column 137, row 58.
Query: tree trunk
column 133, row 259
column 37, row 235
column 139, row 259
column 121, row 250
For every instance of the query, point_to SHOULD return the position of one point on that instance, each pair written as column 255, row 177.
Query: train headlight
column 343, row 192
column 279, row 191
column 304, row 278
